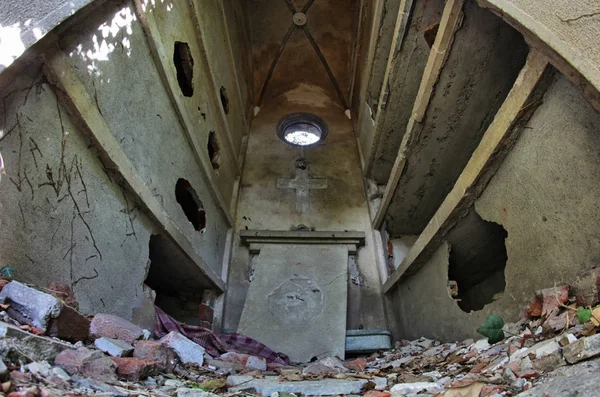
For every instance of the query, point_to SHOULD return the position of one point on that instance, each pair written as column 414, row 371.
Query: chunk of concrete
column 114, row 347
column 30, row 306
column 17, row 345
column 410, row 389
column 111, row 326
column 323, row 387
column 576, row 385
column 186, row 350
column 236, row 380
column 584, row 348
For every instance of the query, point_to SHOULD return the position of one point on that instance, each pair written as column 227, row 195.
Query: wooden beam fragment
column 78, row 102
column 513, row 115
column 399, row 31
column 451, row 19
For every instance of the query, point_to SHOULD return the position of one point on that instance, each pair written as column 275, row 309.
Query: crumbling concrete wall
column 545, row 196
column 342, row 206
column 143, row 119
column 65, row 216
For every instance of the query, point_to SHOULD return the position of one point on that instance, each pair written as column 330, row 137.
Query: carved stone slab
column 297, row 300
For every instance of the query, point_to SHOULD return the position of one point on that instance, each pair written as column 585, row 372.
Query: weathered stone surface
column 156, row 351
column 584, row 348
column 17, row 345
column 114, row 347
column 69, row 325
column 90, row 363
column 301, row 303
column 135, row 369
column 409, row 389
column 111, row 326
column 323, row 387
column 236, row 380
column 186, row 350
column 254, row 362
column 30, row 306
column 576, row 385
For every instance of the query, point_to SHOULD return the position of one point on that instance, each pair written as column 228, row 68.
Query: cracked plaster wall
column 94, row 236
column 342, row 206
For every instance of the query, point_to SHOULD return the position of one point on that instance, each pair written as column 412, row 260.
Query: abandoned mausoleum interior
column 285, row 198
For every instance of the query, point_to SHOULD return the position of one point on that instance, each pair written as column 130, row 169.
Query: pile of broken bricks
column 49, row 349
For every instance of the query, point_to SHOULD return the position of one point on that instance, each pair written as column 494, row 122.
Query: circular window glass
column 302, row 129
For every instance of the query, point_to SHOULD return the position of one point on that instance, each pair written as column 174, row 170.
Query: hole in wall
column 214, row 153
column 224, row 99
column 184, row 64
column 175, row 280
column 301, row 129
column 191, row 205
column 477, row 262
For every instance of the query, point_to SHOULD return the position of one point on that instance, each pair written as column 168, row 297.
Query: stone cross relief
column 302, row 183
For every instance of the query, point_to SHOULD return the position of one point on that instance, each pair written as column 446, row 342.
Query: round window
column 302, row 129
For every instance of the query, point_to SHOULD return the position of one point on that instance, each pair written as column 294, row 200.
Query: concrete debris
column 533, row 361
column 114, row 347
column 582, row 349
column 30, row 306
column 186, row 350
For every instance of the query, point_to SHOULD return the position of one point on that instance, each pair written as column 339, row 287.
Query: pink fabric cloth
column 215, row 345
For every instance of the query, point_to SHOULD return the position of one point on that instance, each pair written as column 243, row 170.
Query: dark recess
column 224, row 99
column 184, row 64
column 477, row 261
column 213, row 150
column 192, row 207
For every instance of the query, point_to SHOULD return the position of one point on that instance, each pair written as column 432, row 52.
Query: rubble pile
column 49, row 349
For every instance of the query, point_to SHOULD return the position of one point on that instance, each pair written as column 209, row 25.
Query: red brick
column 375, row 393
column 111, row 326
column 206, row 313
column 135, row 369
column 90, row 363
column 357, row 365
column 156, row 351
column 69, row 325
column 64, row 292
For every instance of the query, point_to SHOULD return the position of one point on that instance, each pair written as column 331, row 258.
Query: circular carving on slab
column 299, row 19
column 296, row 301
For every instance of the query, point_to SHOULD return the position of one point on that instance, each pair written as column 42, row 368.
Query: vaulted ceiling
column 288, row 55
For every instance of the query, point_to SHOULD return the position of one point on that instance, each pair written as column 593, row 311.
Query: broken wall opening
column 214, row 150
column 191, row 205
column 477, row 262
column 184, row 65
column 178, row 283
